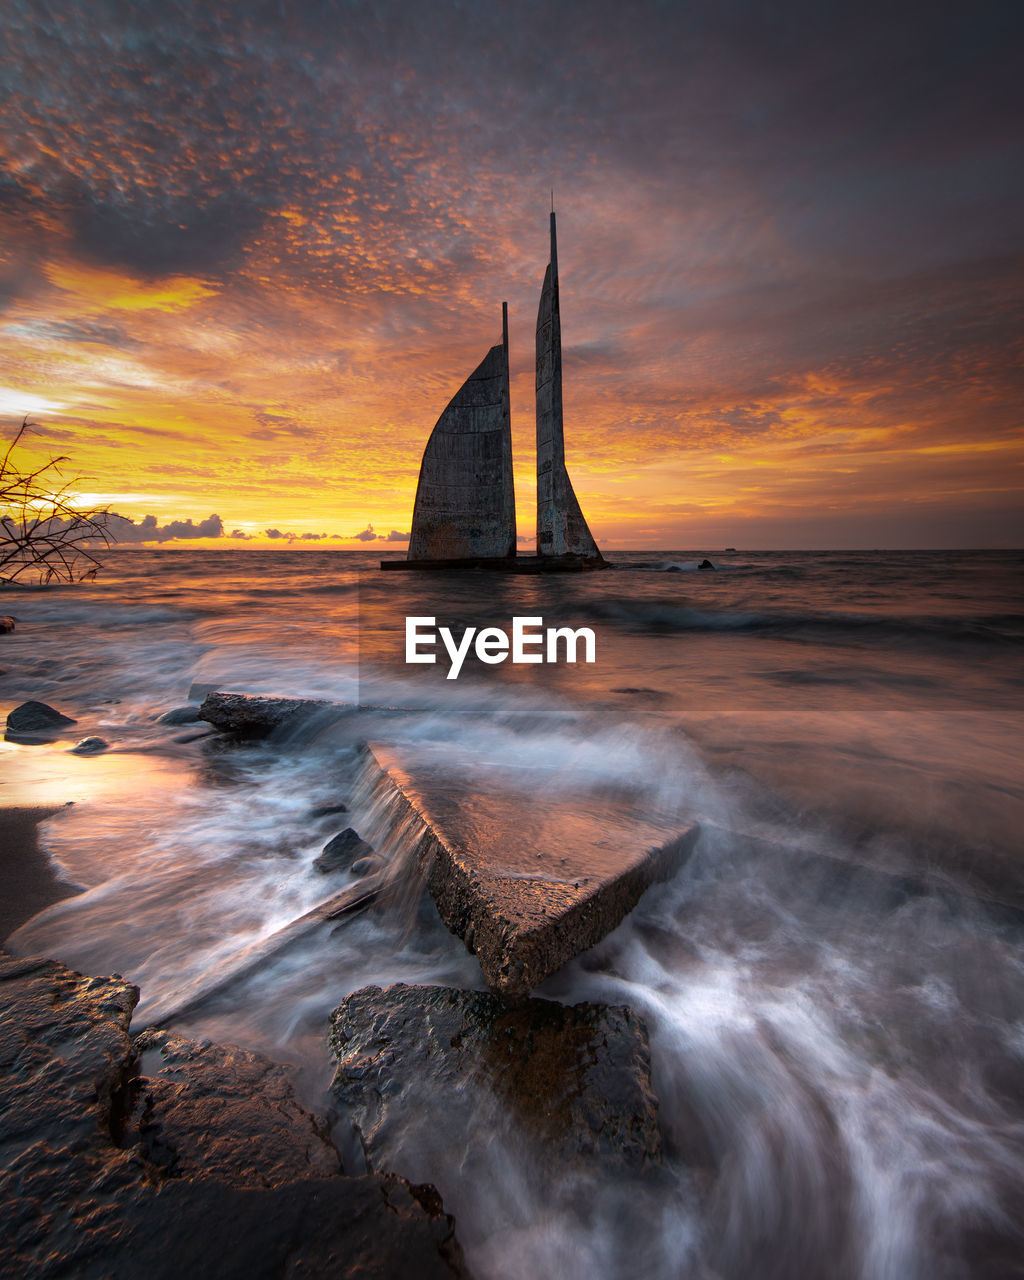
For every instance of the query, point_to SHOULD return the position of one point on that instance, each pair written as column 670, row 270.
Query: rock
column 179, row 715
column 705, row 564
column 208, row 1167
column 340, row 853
column 6, row 625
column 247, row 715
column 35, row 717
column 573, row 1080
column 221, row 1112
column 90, row 746
column 527, row 878
column 377, row 1227
column 327, row 810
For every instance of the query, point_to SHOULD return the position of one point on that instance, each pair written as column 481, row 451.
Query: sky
column 248, row 252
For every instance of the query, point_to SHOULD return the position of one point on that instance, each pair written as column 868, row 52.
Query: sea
column 833, row 983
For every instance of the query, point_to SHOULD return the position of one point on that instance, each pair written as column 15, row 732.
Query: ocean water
column 832, row 985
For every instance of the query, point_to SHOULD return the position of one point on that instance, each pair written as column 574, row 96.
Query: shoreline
column 28, row 883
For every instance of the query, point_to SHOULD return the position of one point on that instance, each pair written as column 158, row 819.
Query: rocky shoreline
column 157, row 1155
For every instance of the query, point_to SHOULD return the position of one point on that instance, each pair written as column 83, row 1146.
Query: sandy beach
column 27, row 881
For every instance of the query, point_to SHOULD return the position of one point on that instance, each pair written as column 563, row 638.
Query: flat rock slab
column 461, row 1066
column 528, row 877
column 207, row 1168
column 250, row 715
column 246, row 715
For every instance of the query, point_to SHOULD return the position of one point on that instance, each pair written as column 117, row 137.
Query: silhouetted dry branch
column 43, row 535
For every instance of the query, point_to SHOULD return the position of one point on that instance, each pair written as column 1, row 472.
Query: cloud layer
column 249, row 256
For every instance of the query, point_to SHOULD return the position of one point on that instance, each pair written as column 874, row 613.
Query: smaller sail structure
column 561, row 528
column 465, row 501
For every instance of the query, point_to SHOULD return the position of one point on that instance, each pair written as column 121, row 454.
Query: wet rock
column 378, row 1227
column 575, row 1081
column 340, row 853
column 218, row 1111
column 90, row 746
column 65, row 1055
column 36, row 717
column 206, row 1167
column 245, row 715
column 705, row 564
column 179, row 715
column 527, row 881
column 327, row 810
column 6, row 625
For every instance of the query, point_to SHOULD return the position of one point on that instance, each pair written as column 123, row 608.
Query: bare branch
column 43, row 534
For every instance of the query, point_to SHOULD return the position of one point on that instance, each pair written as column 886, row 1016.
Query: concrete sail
column 465, row 501
column 561, row 528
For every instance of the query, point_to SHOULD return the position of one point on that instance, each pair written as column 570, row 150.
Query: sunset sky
column 249, row 252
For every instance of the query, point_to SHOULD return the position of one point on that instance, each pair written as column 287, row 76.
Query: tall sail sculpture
column 561, row 528
column 465, row 505
column 465, row 510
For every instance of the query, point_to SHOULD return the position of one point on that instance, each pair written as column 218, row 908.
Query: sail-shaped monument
column 464, row 515
column 465, row 507
column 562, row 532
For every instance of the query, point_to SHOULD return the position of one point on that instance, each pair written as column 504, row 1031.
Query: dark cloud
column 276, row 533
column 149, row 530
column 172, row 140
column 237, row 533
column 396, row 536
column 367, row 534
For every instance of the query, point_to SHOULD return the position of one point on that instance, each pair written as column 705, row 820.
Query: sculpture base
column 511, row 564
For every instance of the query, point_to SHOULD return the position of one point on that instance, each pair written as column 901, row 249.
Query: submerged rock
column 179, row 715
column 340, row 853
column 575, row 1081
column 90, row 746
column 328, row 810
column 204, row 1166
column 34, row 717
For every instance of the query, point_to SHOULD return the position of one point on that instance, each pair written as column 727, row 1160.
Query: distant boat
column 464, row 515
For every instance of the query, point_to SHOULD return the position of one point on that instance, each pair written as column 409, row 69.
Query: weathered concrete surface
column 561, row 527
column 209, row 1169
column 527, row 880
column 575, row 1081
column 465, row 501
column 248, row 715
